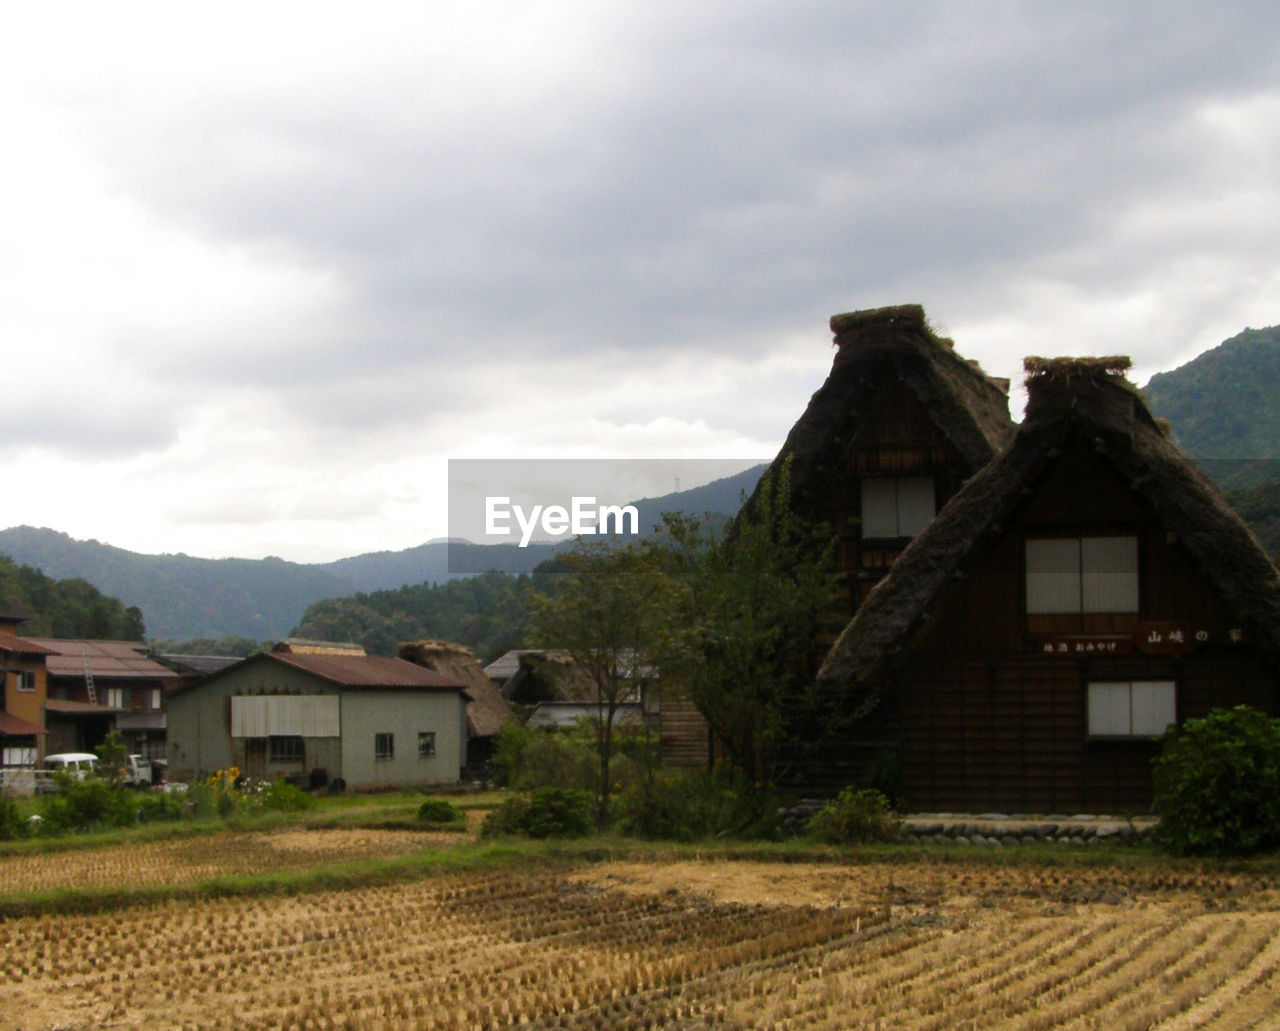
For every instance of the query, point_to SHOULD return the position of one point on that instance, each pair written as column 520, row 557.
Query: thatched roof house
column 899, row 424
column 1085, row 588
column 487, row 710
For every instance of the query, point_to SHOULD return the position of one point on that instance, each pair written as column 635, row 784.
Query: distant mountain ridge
column 182, row 597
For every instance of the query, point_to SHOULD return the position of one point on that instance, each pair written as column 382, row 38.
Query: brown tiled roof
column 22, row 645
column 368, row 671
column 112, row 659
column 11, row 726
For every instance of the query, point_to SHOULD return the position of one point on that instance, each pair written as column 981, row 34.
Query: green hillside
column 65, row 608
column 1224, row 407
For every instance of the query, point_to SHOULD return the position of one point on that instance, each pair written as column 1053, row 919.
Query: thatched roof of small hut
column 887, row 345
column 544, row 676
column 1069, row 400
column 487, row 710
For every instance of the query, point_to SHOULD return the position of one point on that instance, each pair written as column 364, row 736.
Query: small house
column 1084, row 591
column 365, row 720
column 23, row 693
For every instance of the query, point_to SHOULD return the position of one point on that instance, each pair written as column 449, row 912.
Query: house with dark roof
column 1085, row 590
column 324, row 716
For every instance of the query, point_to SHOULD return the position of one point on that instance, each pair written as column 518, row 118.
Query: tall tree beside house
column 748, row 616
column 609, row 609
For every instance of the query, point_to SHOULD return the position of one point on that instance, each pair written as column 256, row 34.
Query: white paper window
column 900, row 506
column 1139, row 708
column 1082, row 574
column 114, row 697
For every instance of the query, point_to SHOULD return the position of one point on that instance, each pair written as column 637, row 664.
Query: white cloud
column 266, row 267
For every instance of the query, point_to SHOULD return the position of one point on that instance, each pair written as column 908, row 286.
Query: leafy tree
column 608, row 609
column 747, row 618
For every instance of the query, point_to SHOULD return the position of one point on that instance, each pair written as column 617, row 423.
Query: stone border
column 997, row 829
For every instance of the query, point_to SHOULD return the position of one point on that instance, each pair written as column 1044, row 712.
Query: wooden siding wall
column 683, row 736
column 990, row 723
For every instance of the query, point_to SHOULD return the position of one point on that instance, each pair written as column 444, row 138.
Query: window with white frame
column 897, row 506
column 113, row 697
column 1131, row 708
column 1082, row 574
column 154, row 698
column 384, row 746
column 426, row 744
column 26, row 680
column 285, row 748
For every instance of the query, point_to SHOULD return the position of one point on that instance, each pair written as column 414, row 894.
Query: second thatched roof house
column 1083, row 591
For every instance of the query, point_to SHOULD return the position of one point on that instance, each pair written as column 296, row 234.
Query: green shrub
column 281, row 797
column 89, row 804
column 546, row 813
column 437, row 810
column 856, row 817
column 12, row 825
column 162, row 806
column 696, row 805
column 1217, row 784
column 531, row 757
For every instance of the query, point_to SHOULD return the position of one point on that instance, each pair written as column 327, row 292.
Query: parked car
column 76, row 764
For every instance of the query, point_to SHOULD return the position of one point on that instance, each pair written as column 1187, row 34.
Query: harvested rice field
column 675, row 945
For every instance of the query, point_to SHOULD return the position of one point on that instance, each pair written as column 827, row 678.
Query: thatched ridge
column 487, row 710
column 887, row 345
column 1069, row 401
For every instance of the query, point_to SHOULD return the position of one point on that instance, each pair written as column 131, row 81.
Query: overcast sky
column 266, row 266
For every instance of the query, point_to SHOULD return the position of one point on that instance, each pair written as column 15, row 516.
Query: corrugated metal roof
column 203, row 664
column 23, row 645
column 68, row 658
column 368, row 671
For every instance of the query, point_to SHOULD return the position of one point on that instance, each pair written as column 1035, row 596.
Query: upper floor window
column 113, row 697
column 896, row 506
column 1082, row 574
column 26, row 680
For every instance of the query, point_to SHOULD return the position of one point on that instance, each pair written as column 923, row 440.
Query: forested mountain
column 1224, row 407
column 65, row 608
column 484, row 612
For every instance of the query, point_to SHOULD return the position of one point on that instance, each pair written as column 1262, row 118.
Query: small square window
column 384, row 746
column 113, row 697
column 26, row 680
column 1082, row 574
column 1138, row 708
column 426, row 744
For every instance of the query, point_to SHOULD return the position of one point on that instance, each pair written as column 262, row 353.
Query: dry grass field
column 936, row 943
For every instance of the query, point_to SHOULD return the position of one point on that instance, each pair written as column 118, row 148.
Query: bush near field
column 1217, row 784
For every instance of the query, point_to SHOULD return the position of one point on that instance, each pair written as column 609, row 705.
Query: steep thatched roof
column 487, row 710
column 1070, row 400
column 548, row 676
column 889, row 345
